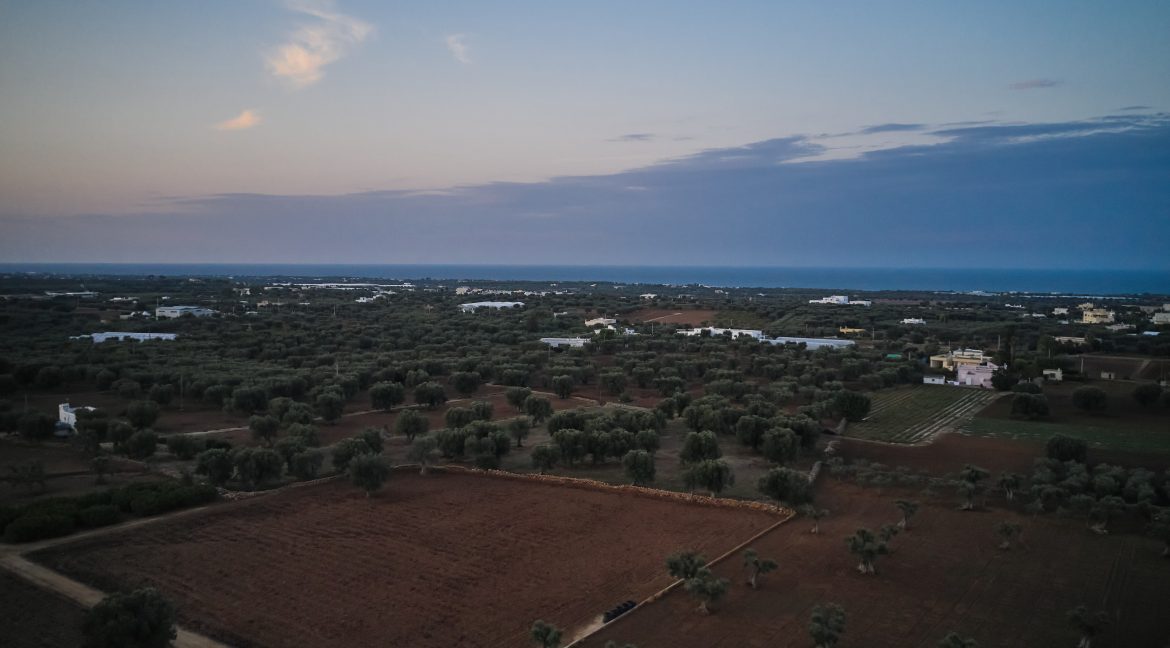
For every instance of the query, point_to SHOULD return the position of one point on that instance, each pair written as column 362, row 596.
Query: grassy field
column 913, row 414
column 1124, row 425
column 1106, row 436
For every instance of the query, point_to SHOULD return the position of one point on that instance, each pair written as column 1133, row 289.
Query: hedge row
column 50, row 518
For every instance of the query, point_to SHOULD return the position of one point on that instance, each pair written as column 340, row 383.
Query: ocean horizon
column 1078, row 282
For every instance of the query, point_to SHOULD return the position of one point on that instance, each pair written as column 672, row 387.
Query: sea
column 1032, row 281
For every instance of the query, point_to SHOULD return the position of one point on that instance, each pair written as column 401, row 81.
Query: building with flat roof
column 471, row 307
column 119, row 336
column 572, row 343
column 1097, row 316
column 179, row 311
column 841, row 300
column 953, row 359
column 811, row 343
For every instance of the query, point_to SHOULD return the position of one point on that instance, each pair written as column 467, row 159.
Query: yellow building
column 953, row 359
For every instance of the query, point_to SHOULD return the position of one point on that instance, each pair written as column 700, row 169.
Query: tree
column 1160, row 529
column 1088, row 624
column 647, row 440
column 639, row 467
column 183, row 446
column 867, row 547
column 545, row 457
column 572, row 444
column 538, row 408
column 854, row 406
column 373, row 438
column 518, row 429
column 781, row 445
column 368, row 472
column 954, row 640
column 1147, row 394
column 685, row 565
column 100, row 466
column 1104, row 510
column 264, row 428
column 706, row 587
column 457, row 417
column 750, row 430
column 810, row 511
column 712, row 475
column 346, row 450
column 1065, row 448
column 546, row 635
column 698, row 447
column 1090, row 399
column 386, row 395
column 430, row 394
column 908, row 509
column 786, row 485
column 142, row 414
column 306, row 465
column 141, row 444
column 563, row 386
column 411, row 424
column 35, row 426
column 757, row 566
column 1002, row 379
column 1009, row 483
column 257, row 466
column 516, row 397
column 1007, row 532
column 969, row 484
column 424, row 451
column 1029, row 406
column 827, row 625
column 330, row 406
column 216, row 464
column 465, row 382
column 139, row 619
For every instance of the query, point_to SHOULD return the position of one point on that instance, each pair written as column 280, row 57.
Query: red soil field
column 36, row 618
column 442, row 560
column 694, row 317
column 945, row 574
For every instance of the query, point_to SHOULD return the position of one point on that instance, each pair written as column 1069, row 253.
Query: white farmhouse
column 913, row 320
column 119, row 336
column 471, row 307
column 573, row 343
column 67, row 415
column 179, row 311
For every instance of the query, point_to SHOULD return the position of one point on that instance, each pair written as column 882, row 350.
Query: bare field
column 35, row 618
column 943, row 575
column 443, row 560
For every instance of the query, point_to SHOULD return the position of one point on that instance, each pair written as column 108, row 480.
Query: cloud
column 1132, row 108
column 1035, row 84
column 634, row 137
column 891, row 128
column 942, row 205
column 458, row 48
column 300, row 62
column 243, row 121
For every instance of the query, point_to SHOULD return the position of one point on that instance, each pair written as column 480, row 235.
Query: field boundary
column 593, row 484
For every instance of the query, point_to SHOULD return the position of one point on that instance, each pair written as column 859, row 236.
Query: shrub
column 36, row 526
column 141, row 444
column 216, row 464
column 140, row 619
column 1147, row 394
column 1065, row 448
column 98, row 516
column 369, row 472
column 142, row 414
column 1090, row 399
column 306, row 465
column 1029, row 406
column 183, row 446
column 786, row 485
column 346, row 450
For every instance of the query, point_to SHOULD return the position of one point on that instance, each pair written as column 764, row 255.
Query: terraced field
column 917, row 414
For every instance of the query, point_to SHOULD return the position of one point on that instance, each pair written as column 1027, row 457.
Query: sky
column 923, row 134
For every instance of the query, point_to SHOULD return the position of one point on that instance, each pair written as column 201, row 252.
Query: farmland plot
column 919, row 414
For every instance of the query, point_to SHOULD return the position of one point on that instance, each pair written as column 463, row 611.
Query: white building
column 934, row 380
column 474, row 306
column 654, row 295
column 600, row 321
column 958, row 357
column 913, row 320
column 811, row 343
column 1162, row 318
column 976, row 375
column 119, row 336
column 573, row 343
column 1053, row 375
column 68, row 415
column 179, row 311
column 840, row 300
column 1060, row 311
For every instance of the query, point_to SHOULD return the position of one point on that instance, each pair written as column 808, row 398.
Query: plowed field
column 443, row 560
column 945, row 574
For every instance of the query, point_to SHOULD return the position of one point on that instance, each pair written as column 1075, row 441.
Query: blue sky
column 1003, row 134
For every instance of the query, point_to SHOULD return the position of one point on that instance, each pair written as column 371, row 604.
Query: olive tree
column 411, row 424
column 545, row 457
column 908, row 509
column 707, row 588
column 827, row 625
column 814, row 513
column 867, row 547
column 698, row 447
column 138, row 619
column 546, row 635
column 369, row 472
column 712, row 475
column 786, row 485
column 757, row 566
column 639, row 467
